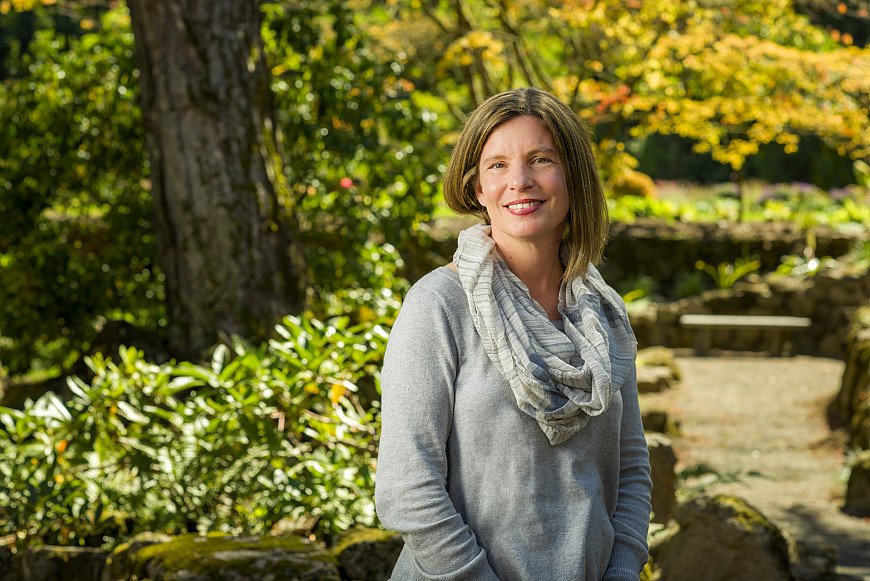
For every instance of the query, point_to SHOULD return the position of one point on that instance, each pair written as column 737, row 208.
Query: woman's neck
column 539, row 267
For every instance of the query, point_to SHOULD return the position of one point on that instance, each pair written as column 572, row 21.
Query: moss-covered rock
column 367, row 554
column 659, row 421
column 656, row 370
column 850, row 408
column 653, row 379
column 659, row 356
column 662, row 460
column 722, row 538
column 49, row 563
column 858, row 488
column 122, row 562
column 224, row 558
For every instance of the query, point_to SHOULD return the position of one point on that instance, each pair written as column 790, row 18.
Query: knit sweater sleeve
column 631, row 519
column 411, row 494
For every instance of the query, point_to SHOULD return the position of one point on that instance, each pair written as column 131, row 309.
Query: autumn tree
column 731, row 76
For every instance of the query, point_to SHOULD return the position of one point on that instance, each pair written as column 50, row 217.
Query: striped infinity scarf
column 559, row 378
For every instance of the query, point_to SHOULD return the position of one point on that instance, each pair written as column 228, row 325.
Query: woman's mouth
column 522, row 207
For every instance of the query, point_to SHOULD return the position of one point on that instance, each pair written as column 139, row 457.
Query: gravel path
column 763, row 419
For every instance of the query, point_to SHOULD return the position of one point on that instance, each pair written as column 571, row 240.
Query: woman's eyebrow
column 545, row 150
column 491, row 158
column 537, row 151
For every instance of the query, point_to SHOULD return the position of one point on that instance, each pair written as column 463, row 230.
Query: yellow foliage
column 731, row 76
column 632, row 183
column 22, row 5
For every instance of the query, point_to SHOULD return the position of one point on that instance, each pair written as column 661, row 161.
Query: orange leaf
column 336, row 392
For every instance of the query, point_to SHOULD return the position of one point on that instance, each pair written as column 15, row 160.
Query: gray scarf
column 559, row 378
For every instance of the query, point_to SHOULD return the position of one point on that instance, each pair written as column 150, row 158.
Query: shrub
column 689, row 284
column 260, row 435
column 637, row 289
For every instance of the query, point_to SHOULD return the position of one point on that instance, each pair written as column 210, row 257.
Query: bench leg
column 703, row 341
column 776, row 342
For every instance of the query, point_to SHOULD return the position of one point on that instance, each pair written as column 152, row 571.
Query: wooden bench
column 707, row 324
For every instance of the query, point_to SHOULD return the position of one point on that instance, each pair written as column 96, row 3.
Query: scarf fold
column 560, row 378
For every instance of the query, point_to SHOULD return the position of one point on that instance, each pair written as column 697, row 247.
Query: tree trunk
column 226, row 236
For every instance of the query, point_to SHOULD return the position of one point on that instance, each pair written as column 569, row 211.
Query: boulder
column 223, row 558
column 858, row 489
column 722, row 538
column 812, row 562
column 659, row 356
column 367, row 554
column 121, row 561
column 662, row 460
column 656, row 369
column 653, row 379
column 859, row 433
column 659, row 421
column 855, row 384
column 48, row 563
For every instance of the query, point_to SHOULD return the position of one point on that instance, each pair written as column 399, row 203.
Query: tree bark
column 226, row 236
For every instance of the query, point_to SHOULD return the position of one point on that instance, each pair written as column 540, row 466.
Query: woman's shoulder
column 433, row 309
column 442, row 283
column 438, row 294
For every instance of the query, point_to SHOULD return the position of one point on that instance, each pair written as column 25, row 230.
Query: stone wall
column 662, row 250
column 829, row 299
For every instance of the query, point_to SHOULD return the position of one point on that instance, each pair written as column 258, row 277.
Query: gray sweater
column 471, row 482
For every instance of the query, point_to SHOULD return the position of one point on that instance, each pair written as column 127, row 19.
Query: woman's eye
column 541, row 160
column 497, row 165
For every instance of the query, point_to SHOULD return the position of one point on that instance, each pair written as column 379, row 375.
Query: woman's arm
column 420, row 367
column 631, row 518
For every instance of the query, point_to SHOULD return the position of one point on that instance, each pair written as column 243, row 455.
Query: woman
column 511, row 444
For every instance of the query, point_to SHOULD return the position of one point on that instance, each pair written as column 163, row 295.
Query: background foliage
column 361, row 151
column 75, row 231
column 369, row 96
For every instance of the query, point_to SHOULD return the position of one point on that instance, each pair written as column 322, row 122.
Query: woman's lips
column 523, row 207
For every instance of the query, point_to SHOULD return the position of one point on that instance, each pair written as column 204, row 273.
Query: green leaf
column 219, row 358
column 49, row 405
column 78, row 387
column 129, row 412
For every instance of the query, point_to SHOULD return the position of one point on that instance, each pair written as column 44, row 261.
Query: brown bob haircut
column 588, row 223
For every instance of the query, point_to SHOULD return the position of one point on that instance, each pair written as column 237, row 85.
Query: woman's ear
column 478, row 191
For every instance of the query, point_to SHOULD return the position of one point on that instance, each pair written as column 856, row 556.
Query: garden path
column 766, row 416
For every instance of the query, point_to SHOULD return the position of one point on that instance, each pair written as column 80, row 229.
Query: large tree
column 226, row 239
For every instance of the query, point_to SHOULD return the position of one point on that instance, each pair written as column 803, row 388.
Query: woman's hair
column 587, row 224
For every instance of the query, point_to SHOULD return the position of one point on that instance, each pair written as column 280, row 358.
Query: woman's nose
column 521, row 177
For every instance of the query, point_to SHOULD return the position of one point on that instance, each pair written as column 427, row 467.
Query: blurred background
column 210, row 212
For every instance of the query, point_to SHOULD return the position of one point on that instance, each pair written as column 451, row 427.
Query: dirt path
column 765, row 416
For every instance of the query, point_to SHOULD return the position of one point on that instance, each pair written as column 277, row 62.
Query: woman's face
column 522, row 183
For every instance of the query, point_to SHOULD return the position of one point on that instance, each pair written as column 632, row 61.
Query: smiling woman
column 511, row 443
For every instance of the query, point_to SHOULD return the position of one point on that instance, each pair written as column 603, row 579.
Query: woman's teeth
column 523, row 205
